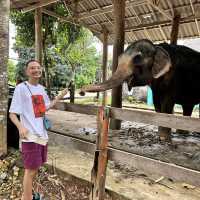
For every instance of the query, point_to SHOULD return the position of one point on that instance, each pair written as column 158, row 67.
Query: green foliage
column 68, row 49
column 25, row 54
column 25, row 28
column 11, row 72
column 82, row 58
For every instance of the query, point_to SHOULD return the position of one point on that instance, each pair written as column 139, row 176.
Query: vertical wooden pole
column 164, row 132
column 104, row 66
column 118, row 48
column 175, row 28
column 98, row 174
column 38, row 35
column 4, row 52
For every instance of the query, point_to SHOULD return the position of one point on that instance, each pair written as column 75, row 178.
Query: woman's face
column 34, row 70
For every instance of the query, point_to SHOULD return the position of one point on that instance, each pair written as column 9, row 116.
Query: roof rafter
column 65, row 19
column 109, row 8
column 156, row 24
column 38, row 5
column 159, row 9
column 154, row 13
column 196, row 22
column 163, row 33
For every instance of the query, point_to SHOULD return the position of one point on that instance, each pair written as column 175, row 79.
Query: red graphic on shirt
column 38, row 105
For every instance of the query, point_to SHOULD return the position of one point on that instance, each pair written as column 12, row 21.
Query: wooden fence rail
column 147, row 117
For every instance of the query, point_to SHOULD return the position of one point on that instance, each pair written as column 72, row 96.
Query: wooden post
column 4, row 45
column 38, row 35
column 98, row 173
column 175, row 28
column 118, row 48
column 164, row 132
column 104, row 66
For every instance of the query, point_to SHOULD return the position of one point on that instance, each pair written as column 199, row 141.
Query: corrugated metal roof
column 150, row 19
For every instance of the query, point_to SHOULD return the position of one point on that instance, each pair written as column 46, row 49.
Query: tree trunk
column 72, row 91
column 4, row 44
column 46, row 63
column 118, row 48
column 47, row 81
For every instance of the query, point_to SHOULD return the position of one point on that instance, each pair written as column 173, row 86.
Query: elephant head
column 141, row 62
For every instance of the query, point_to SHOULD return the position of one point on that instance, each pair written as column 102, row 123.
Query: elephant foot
column 164, row 134
column 165, row 137
column 182, row 132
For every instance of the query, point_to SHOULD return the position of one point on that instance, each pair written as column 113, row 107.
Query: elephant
column 172, row 72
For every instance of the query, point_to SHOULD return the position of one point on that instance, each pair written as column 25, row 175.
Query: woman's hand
column 63, row 93
column 23, row 132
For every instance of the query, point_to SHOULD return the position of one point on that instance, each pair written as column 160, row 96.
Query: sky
column 192, row 43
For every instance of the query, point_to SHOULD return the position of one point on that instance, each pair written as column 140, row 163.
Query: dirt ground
column 137, row 138
column 134, row 137
column 52, row 184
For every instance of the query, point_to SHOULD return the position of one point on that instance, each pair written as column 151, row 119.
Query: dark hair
column 32, row 60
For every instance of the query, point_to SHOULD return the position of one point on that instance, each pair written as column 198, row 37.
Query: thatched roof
column 150, row 19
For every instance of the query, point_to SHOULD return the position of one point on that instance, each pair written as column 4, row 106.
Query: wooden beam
column 118, row 48
column 93, row 17
column 175, row 28
column 98, row 174
column 136, row 15
column 147, row 34
column 148, row 165
column 104, row 64
column 108, row 9
column 59, row 17
column 163, row 33
column 159, row 9
column 196, row 22
column 140, row 116
column 38, row 5
column 38, row 35
column 161, row 22
column 66, row 19
column 156, row 24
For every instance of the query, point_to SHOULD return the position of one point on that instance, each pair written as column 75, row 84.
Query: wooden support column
column 4, row 52
column 38, row 35
column 175, row 28
column 164, row 132
column 98, row 173
column 118, row 48
column 104, row 65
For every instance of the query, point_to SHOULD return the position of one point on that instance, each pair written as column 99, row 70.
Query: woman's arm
column 57, row 98
column 22, row 130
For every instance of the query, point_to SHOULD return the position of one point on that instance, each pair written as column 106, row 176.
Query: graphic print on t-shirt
column 38, row 105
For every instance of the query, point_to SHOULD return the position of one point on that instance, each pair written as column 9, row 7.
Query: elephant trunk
column 122, row 73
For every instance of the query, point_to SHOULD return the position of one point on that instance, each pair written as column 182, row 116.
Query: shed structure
column 151, row 19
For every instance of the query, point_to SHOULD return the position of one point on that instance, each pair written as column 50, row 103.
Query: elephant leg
column 187, row 111
column 165, row 132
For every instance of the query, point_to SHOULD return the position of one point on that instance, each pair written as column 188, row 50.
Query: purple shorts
column 33, row 155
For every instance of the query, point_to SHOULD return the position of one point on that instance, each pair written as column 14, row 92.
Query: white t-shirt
column 22, row 105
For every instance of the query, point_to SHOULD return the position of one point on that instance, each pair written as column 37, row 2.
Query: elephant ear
column 162, row 62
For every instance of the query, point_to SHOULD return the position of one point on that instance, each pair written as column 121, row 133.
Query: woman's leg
column 29, row 175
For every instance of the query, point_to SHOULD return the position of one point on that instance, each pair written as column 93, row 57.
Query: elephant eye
column 137, row 60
